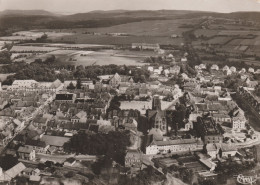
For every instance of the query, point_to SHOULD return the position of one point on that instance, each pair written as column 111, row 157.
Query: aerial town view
column 147, row 92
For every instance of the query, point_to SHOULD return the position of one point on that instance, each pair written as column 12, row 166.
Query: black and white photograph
column 129, row 92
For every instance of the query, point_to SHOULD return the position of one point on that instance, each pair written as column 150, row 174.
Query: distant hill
column 108, row 11
column 26, row 13
column 28, row 19
column 130, row 14
column 246, row 15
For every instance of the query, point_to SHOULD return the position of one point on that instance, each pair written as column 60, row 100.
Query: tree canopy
column 112, row 145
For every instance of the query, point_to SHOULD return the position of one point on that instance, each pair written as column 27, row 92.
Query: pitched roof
column 153, row 113
column 24, row 81
column 56, row 84
column 26, row 149
column 174, row 142
column 228, row 147
column 219, row 115
column 81, row 114
column 37, row 143
column 35, row 178
column 156, row 133
column 211, row 147
column 17, row 122
column 133, row 154
column 64, row 96
column 16, row 170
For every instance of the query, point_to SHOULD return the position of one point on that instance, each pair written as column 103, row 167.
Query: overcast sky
column 73, row 6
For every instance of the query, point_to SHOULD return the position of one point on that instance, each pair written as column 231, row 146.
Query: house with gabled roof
column 214, row 67
column 82, row 115
column 13, row 172
column 251, row 70
column 24, row 84
column 133, row 159
column 175, row 70
column 26, row 153
column 251, row 85
column 38, row 145
column 233, row 69
column 227, row 150
column 3, row 103
column 117, row 79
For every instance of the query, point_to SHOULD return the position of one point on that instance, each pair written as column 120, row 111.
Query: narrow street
column 27, row 121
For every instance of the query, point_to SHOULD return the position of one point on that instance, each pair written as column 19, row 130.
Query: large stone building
column 24, row 84
column 121, row 117
column 133, row 159
column 65, row 98
column 156, row 116
column 26, row 153
column 208, row 130
column 172, row 146
column 116, row 80
column 145, row 46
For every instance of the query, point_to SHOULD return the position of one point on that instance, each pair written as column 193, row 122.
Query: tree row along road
column 245, row 106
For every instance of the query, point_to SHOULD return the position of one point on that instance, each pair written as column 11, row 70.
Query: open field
column 119, row 40
column 148, row 31
column 142, row 28
column 79, row 46
column 206, row 32
column 25, row 49
column 146, row 28
column 66, row 46
column 106, row 57
column 158, row 31
column 1, row 44
column 33, row 34
column 4, row 76
column 61, row 55
column 232, row 27
column 218, row 40
column 17, row 57
column 223, row 32
column 102, row 57
column 238, row 32
column 246, row 42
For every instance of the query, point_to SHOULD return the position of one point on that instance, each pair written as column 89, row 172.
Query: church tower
column 156, row 104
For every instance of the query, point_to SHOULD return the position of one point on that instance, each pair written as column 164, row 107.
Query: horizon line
column 127, row 10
